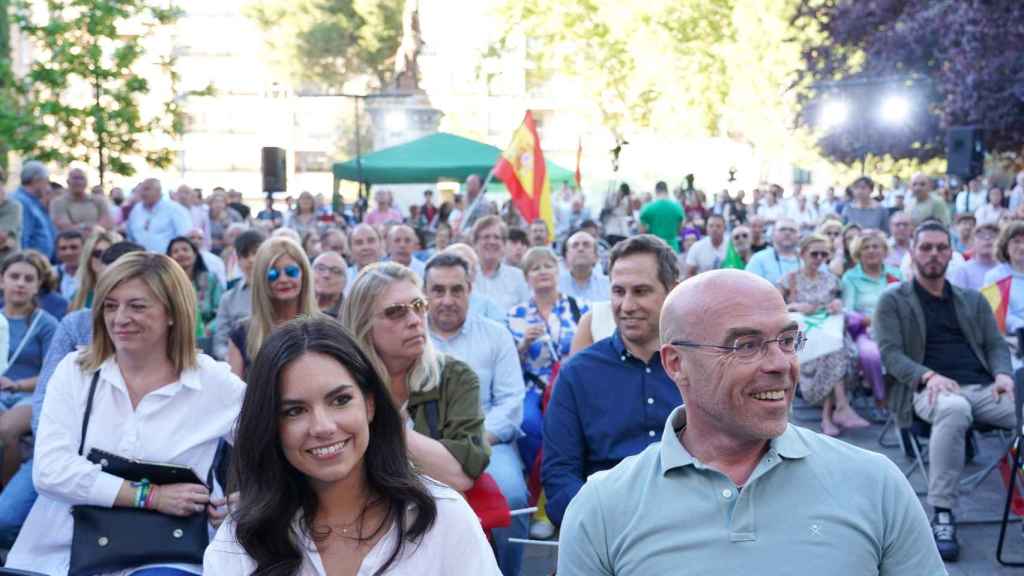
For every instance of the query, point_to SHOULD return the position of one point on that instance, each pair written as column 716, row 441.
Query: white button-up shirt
column 181, row 423
column 454, row 546
column 507, row 287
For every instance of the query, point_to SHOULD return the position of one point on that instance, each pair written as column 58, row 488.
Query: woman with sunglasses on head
column 207, row 286
column 438, row 396
column 89, row 268
column 139, row 391
column 325, row 482
column 810, row 290
column 282, row 290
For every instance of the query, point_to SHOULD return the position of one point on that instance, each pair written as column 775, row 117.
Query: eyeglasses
column 786, row 229
column 752, row 346
column 817, row 254
column 97, row 253
column 325, row 269
column 292, row 271
column 418, row 306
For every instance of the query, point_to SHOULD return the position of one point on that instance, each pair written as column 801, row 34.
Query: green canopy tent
column 439, row 156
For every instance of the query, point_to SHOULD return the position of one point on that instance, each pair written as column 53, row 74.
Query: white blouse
column 181, row 423
column 454, row 546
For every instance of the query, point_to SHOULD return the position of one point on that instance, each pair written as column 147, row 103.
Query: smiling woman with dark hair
column 325, row 483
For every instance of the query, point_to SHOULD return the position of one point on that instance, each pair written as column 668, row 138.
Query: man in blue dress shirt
column 579, row 276
column 37, row 230
column 611, row 400
column 489, row 350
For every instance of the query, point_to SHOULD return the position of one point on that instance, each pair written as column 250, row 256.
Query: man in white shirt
column 366, row 248
column 974, row 197
column 155, row 220
column 579, row 277
column 214, row 263
column 899, row 244
column 709, row 252
column 503, row 284
column 490, row 351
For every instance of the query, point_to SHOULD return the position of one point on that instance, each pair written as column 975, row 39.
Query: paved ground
column 977, row 536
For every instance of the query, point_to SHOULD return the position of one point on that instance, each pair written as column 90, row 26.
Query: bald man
column 155, row 220
column 923, row 204
column 733, row 488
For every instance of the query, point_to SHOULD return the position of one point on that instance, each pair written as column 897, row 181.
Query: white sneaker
column 542, row 530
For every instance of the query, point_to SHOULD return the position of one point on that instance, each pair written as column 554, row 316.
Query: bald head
column 921, row 185
column 696, row 307
column 466, row 252
column 365, row 245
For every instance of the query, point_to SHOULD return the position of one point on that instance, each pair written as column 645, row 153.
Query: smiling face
column 744, row 399
column 637, row 296
column 183, row 254
column 69, row 250
column 490, row 244
column 135, row 319
column 402, row 338
column 323, row 420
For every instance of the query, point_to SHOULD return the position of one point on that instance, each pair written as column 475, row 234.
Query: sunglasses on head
column 291, row 271
column 400, row 311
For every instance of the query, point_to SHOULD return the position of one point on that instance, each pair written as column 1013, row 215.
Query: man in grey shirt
column 733, row 488
column 236, row 304
column 489, row 350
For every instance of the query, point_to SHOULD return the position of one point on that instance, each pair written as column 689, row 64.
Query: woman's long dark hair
column 273, row 491
column 199, row 266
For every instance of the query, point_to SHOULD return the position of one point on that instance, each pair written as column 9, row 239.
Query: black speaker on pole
column 275, row 172
column 965, row 152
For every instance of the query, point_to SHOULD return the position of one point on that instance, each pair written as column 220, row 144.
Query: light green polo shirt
column 813, row 505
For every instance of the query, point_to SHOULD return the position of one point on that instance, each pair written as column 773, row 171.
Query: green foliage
column 80, row 99
column 325, row 43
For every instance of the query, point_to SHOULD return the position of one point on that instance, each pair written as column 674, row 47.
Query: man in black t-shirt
column 952, row 367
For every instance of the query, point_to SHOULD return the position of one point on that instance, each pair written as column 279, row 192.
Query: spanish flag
column 998, row 296
column 521, row 167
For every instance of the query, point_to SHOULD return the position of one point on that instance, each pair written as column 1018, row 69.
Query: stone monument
column 402, row 111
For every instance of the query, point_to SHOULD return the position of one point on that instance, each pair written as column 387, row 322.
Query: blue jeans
column 15, row 503
column 507, row 470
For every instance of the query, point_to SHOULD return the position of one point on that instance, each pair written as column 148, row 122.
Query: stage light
column 895, row 109
column 833, row 114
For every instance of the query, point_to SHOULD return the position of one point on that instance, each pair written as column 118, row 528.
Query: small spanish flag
column 998, row 296
column 521, row 167
column 579, row 156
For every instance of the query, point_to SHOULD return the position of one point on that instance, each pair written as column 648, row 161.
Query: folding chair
column 1017, row 446
column 971, row 482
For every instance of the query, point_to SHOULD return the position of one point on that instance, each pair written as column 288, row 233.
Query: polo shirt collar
column 674, row 455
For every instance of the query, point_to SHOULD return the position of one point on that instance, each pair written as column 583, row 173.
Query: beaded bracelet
column 150, row 498
column 141, row 493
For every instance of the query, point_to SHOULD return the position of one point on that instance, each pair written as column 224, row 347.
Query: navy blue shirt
column 607, row 404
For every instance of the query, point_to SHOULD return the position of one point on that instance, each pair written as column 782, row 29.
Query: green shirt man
column 663, row 218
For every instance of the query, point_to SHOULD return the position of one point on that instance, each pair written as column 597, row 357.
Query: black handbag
column 113, row 539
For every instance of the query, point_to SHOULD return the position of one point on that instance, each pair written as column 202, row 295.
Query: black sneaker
column 944, row 530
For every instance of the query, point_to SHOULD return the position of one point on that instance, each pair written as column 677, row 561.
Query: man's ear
column 674, row 364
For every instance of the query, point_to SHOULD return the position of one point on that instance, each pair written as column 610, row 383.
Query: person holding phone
column 155, row 398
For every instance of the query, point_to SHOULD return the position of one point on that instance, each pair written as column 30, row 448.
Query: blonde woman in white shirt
column 325, row 481
column 155, row 399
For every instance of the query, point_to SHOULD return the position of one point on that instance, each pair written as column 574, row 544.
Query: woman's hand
column 835, row 306
column 532, row 333
column 180, row 499
column 802, row 308
column 218, row 510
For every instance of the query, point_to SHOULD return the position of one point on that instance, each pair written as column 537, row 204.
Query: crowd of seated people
column 277, row 344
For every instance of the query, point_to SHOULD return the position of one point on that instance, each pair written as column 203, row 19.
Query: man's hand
column 938, row 385
column 1002, row 387
column 217, row 509
column 8, row 384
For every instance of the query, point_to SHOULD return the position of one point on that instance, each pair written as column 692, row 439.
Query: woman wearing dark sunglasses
column 809, row 291
column 282, row 289
column 438, row 396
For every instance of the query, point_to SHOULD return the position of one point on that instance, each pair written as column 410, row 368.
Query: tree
column 80, row 100
column 326, row 43
column 637, row 64
column 959, row 60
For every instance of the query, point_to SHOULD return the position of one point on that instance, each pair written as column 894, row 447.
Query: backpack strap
column 574, row 309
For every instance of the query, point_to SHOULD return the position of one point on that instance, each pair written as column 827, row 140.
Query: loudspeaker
column 275, row 173
column 965, row 152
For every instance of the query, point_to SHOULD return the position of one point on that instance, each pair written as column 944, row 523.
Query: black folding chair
column 1018, row 445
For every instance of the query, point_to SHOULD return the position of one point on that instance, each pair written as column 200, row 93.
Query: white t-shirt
column 454, row 546
column 706, row 256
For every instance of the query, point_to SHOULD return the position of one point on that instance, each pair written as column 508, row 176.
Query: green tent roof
column 439, row 156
